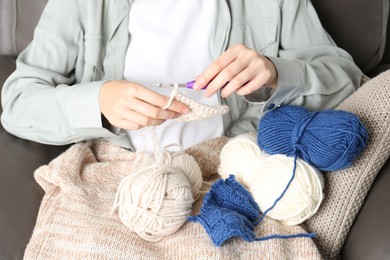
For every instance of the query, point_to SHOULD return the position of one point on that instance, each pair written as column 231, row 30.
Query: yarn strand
column 281, row 195
column 300, row 235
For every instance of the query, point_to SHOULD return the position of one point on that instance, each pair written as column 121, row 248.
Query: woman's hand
column 239, row 69
column 132, row 106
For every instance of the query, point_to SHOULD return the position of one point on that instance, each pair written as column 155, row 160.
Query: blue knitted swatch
column 229, row 210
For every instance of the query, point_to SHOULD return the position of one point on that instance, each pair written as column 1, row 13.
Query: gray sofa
column 359, row 26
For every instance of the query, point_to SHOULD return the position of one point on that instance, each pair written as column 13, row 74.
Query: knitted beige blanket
column 74, row 220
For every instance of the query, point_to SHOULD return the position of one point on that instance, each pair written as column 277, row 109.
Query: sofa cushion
column 18, row 19
column 20, row 195
column 7, row 66
column 345, row 190
column 358, row 26
column 372, row 223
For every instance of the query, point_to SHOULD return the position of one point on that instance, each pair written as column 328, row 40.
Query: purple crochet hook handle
column 190, row 84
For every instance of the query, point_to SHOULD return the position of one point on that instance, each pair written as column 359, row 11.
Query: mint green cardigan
column 53, row 96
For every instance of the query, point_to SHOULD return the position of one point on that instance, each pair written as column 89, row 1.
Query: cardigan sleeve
column 40, row 100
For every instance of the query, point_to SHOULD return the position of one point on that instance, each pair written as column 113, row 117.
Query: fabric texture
column 346, row 189
column 74, row 218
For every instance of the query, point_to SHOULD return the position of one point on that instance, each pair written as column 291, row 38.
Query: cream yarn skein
column 301, row 200
column 266, row 176
column 241, row 157
column 156, row 200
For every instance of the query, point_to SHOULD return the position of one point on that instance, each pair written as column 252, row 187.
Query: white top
column 171, row 42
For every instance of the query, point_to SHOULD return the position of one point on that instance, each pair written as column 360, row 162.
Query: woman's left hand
column 239, row 69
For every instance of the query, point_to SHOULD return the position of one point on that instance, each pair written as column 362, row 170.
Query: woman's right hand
column 132, row 106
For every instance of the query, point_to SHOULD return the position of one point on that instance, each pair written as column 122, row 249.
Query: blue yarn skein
column 329, row 140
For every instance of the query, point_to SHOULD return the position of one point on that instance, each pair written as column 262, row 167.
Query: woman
column 91, row 70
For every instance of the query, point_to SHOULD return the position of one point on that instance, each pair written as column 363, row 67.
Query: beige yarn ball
column 188, row 165
column 301, row 200
column 241, row 157
column 156, row 200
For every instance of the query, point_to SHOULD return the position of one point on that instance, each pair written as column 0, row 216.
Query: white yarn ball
column 241, row 157
column 156, row 200
column 301, row 200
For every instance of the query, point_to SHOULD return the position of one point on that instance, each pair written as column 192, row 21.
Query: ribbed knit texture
column 229, row 210
column 329, row 140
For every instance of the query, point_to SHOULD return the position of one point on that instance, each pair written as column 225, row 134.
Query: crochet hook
column 189, row 84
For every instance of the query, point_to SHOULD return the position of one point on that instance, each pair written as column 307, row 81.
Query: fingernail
column 196, row 86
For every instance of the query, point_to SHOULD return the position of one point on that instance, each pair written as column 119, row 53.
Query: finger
column 215, row 68
column 150, row 110
column 136, row 119
column 233, row 72
column 178, row 107
column 158, row 100
column 127, row 125
column 260, row 80
column 238, row 82
column 251, row 86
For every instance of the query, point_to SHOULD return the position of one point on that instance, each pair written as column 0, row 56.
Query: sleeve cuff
column 290, row 85
column 82, row 105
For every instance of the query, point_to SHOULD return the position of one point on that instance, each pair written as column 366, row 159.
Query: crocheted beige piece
column 346, row 189
column 199, row 111
column 74, row 220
